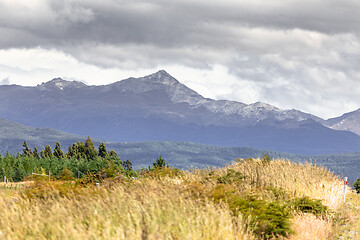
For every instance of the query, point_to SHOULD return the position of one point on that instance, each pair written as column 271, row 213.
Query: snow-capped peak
column 60, row 84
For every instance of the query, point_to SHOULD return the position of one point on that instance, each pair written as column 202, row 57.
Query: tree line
column 80, row 159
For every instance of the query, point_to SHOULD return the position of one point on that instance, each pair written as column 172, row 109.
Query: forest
column 80, row 160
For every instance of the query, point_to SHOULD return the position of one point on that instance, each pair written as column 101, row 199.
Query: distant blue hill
column 183, row 155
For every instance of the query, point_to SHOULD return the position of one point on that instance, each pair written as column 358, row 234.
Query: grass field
column 250, row 199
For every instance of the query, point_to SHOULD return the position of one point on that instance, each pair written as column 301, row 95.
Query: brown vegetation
column 225, row 203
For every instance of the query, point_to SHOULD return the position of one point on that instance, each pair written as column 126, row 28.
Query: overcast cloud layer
column 291, row 54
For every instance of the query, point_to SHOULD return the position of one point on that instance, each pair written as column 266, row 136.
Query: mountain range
column 159, row 108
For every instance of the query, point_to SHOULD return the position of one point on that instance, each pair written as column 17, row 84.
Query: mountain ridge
column 13, row 135
column 348, row 121
column 158, row 107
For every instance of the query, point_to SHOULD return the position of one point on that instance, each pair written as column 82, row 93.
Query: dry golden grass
column 296, row 179
column 147, row 210
column 310, row 227
column 168, row 207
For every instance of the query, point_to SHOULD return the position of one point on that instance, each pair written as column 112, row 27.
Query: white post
column 345, row 184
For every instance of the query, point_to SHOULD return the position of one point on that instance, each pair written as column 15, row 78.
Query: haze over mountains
column 159, row 108
column 13, row 135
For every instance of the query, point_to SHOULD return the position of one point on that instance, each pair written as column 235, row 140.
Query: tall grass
column 149, row 210
column 169, row 204
column 310, row 227
column 296, row 179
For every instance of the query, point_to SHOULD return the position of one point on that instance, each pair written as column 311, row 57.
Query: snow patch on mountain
column 161, row 82
column 179, row 93
column 348, row 122
column 60, row 84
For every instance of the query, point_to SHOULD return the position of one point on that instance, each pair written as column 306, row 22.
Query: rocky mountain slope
column 347, row 122
column 159, row 108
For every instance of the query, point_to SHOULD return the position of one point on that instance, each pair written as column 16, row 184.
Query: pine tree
column 36, row 153
column 113, row 154
column 26, row 151
column 57, row 151
column 357, row 185
column 102, row 150
column 160, row 163
column 76, row 151
column 127, row 165
column 89, row 149
column 47, row 152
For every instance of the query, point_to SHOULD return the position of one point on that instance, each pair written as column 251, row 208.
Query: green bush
column 265, row 219
column 159, row 163
column 357, row 185
column 266, row 158
column 307, row 205
column 66, row 175
column 230, row 177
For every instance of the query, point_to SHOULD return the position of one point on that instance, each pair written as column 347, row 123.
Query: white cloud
column 293, row 54
column 30, row 67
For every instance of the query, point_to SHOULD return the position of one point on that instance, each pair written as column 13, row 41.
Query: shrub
column 266, row 158
column 357, row 185
column 90, row 179
column 265, row 219
column 307, row 205
column 66, row 175
column 230, row 177
column 111, row 171
column 159, row 163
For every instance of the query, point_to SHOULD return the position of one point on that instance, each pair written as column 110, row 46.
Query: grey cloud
column 295, row 51
column 176, row 23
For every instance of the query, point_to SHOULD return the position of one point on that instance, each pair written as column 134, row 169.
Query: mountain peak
column 263, row 106
column 59, row 83
column 163, row 72
column 162, row 77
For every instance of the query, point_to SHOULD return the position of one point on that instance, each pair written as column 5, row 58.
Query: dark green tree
column 36, row 153
column 357, row 185
column 26, row 151
column 113, row 154
column 57, row 151
column 47, row 152
column 102, row 150
column 89, row 149
column 76, row 151
column 160, row 163
column 127, row 165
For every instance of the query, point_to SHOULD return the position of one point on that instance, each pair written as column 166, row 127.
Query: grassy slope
column 171, row 205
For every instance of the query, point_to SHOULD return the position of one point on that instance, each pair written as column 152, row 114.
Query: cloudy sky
column 302, row 54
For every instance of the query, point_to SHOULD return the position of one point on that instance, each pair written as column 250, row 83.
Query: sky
column 301, row 54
